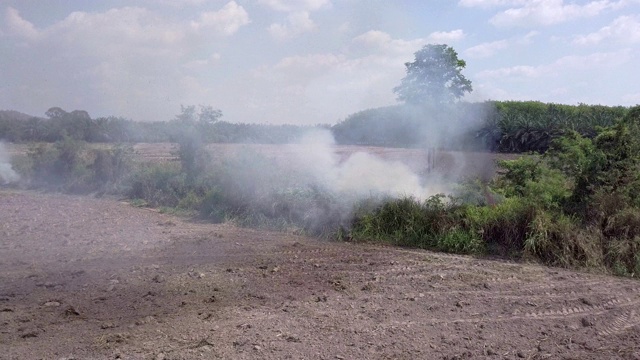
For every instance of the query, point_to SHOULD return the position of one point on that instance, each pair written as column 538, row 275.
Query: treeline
column 445, row 126
column 525, row 126
column 498, row 126
column 78, row 125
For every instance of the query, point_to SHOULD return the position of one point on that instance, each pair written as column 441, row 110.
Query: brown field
column 87, row 278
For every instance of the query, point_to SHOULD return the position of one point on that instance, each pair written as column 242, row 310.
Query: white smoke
column 7, row 174
column 360, row 175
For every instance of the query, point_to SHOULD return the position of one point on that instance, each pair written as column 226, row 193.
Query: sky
column 305, row 62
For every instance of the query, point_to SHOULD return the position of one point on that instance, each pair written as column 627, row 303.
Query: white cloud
column 562, row 65
column 143, row 62
column 446, row 36
column 298, row 19
column 549, row 12
column 226, row 20
column 512, row 71
column 314, row 87
column 374, row 37
column 296, row 5
column 485, row 50
column 624, row 29
column 488, row 49
column 380, row 41
column 127, row 61
column 115, row 28
column 297, row 23
column 592, row 61
column 18, row 26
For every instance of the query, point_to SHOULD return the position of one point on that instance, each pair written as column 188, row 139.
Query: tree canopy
column 433, row 77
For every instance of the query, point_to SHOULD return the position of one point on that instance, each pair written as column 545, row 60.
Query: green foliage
column 446, row 126
column 534, row 181
column 526, row 126
column 159, row 184
column 70, row 165
column 16, row 127
column 111, row 167
column 433, row 77
column 432, row 224
column 508, row 126
column 576, row 206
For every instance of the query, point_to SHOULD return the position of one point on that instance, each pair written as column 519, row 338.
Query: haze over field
column 305, row 61
column 7, row 173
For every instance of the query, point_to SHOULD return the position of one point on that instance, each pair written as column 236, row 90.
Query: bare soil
column 87, row 278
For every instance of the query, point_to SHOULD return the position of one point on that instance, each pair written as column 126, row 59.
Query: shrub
column 432, row 224
column 71, row 166
column 60, row 166
column 159, row 184
column 112, row 167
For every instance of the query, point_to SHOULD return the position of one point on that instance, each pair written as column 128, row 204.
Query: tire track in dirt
column 621, row 323
column 424, row 272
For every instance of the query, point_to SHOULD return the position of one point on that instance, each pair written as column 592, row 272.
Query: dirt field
column 86, row 278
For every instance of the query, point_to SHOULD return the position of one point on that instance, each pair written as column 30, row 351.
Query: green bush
column 501, row 228
column 530, row 178
column 432, row 224
column 112, row 167
column 72, row 166
column 159, row 184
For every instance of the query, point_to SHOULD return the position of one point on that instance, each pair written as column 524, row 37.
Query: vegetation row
column 498, row 126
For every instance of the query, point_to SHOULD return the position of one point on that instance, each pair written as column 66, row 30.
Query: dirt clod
column 71, row 311
column 586, row 322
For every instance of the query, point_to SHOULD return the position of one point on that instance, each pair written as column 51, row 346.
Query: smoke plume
column 360, row 175
column 7, row 174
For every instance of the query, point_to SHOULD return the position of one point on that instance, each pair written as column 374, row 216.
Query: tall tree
column 433, row 77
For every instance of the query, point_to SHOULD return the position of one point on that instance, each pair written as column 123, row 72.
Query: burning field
column 390, row 229
column 89, row 278
column 86, row 278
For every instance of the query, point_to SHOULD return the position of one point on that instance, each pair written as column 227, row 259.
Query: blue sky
column 305, row 61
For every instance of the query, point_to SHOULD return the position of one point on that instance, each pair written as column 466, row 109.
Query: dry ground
column 86, row 278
